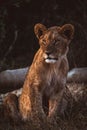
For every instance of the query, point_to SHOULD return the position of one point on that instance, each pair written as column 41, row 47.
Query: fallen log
column 13, row 79
column 77, row 75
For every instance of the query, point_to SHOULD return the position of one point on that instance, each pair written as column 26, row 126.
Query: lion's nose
column 48, row 52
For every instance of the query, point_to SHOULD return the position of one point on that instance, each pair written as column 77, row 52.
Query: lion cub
column 46, row 78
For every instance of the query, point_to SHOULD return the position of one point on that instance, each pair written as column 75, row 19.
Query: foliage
column 22, row 15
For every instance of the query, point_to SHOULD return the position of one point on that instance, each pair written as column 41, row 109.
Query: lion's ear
column 67, row 31
column 39, row 30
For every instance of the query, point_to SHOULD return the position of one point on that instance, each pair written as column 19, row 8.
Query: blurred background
column 18, row 42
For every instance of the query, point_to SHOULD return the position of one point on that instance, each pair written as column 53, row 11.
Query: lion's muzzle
column 50, row 58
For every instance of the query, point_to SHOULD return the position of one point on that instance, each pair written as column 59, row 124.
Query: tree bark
column 13, row 79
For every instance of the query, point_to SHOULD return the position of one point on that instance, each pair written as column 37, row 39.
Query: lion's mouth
column 50, row 58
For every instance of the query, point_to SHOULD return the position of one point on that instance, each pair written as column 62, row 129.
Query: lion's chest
column 52, row 81
column 51, row 77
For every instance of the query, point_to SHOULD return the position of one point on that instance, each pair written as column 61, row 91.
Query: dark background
column 18, row 43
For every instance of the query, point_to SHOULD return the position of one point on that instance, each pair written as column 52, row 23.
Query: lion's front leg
column 36, row 105
column 54, row 104
column 31, row 104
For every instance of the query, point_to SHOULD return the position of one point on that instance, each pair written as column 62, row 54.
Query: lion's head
column 54, row 41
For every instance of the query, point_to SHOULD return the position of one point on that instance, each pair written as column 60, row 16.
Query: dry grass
column 74, row 117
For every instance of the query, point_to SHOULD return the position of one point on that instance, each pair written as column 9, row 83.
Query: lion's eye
column 57, row 42
column 44, row 42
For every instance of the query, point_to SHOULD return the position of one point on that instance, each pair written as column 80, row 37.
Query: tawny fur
column 46, row 78
column 11, row 110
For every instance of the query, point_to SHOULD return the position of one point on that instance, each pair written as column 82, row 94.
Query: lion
column 45, row 81
column 46, row 78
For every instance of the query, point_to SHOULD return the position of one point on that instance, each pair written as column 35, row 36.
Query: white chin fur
column 50, row 60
